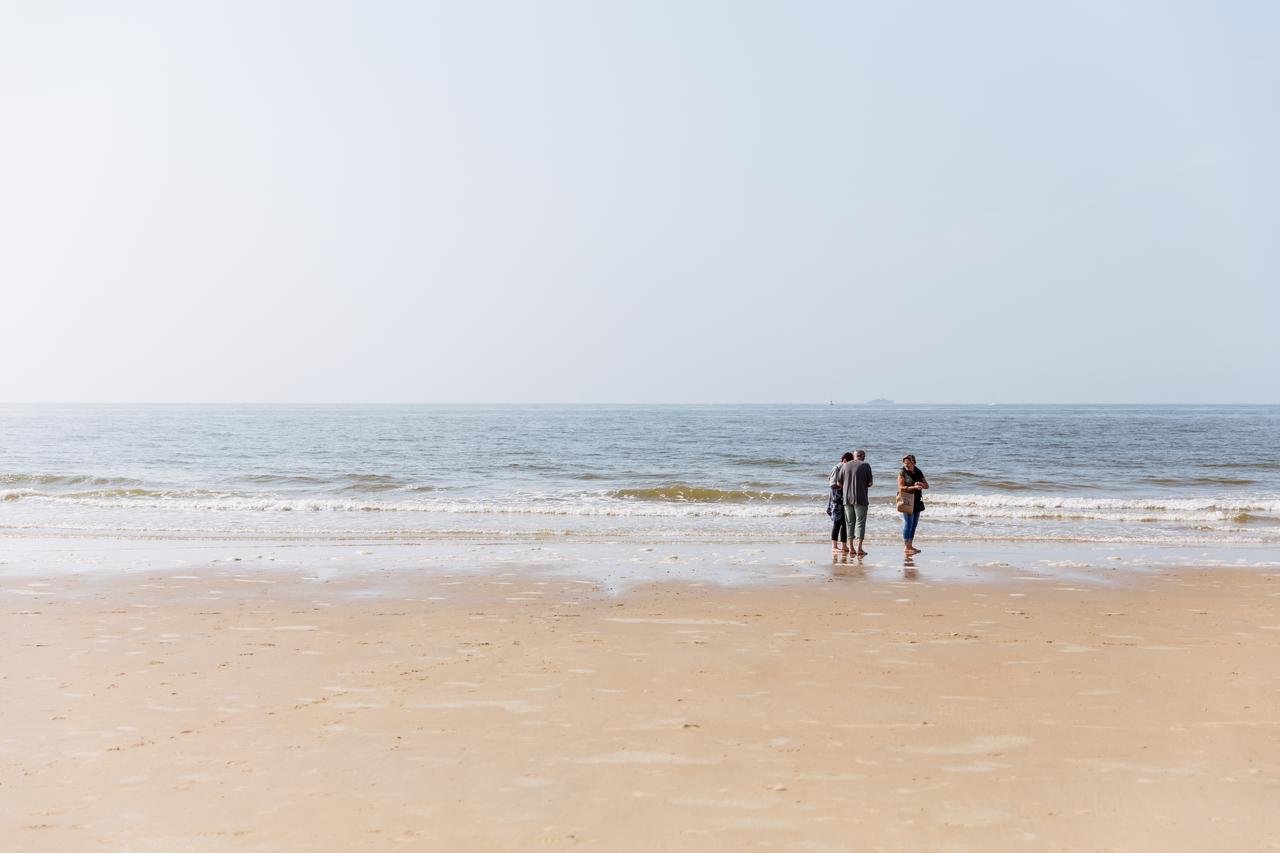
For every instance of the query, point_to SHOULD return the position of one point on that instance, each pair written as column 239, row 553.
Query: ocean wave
column 107, row 497
column 768, row 461
column 591, row 506
column 1255, row 465
column 1198, row 481
column 37, row 480
column 1008, row 485
column 679, row 493
column 356, row 482
column 284, row 479
column 967, row 479
column 158, row 529
column 1251, row 518
column 369, row 487
column 674, row 501
column 1265, row 504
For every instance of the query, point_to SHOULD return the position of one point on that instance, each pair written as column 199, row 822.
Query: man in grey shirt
column 855, row 479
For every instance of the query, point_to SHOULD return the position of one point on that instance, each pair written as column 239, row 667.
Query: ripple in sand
column 511, row 706
column 753, row 824
column 728, row 803
column 533, row 782
column 632, row 621
column 974, row 746
column 667, row 723
column 630, row 756
column 977, row 767
column 1146, row 769
column 969, row 816
column 831, row 777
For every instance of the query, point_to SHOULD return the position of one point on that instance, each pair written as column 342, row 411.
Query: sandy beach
column 427, row 427
column 227, row 709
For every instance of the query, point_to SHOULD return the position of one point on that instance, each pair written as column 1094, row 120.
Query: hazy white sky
column 639, row 201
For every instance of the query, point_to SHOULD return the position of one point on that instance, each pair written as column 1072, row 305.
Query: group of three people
column 850, row 481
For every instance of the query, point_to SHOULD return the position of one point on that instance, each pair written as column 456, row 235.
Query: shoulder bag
column 906, row 500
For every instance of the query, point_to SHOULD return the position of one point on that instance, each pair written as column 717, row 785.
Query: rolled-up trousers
column 855, row 518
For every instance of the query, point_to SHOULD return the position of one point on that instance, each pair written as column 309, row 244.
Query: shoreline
column 617, row 564
column 231, row 707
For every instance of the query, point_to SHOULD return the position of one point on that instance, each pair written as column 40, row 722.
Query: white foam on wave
column 602, row 505
column 979, row 517
column 1269, row 504
column 235, row 527
column 540, row 504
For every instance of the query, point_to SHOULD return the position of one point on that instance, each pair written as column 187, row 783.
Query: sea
column 1204, row 475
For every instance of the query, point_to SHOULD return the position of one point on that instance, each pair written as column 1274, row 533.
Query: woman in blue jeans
column 911, row 482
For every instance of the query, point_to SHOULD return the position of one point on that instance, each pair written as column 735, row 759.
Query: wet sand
column 223, row 710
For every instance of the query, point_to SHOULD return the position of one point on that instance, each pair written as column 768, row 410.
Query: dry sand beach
column 223, row 710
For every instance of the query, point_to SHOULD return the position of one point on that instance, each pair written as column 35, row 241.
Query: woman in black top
column 911, row 482
column 835, row 509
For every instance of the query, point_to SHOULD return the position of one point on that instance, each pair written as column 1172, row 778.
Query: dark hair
column 910, row 456
column 860, row 454
column 848, row 457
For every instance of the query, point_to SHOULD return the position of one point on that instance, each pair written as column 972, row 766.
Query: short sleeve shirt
column 855, row 479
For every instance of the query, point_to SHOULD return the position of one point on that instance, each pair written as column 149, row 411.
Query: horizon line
column 830, row 404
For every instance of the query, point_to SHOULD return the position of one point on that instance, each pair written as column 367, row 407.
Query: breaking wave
column 674, row 501
column 38, row 480
column 679, row 493
column 1199, row 481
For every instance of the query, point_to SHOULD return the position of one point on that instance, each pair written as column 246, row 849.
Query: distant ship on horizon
column 878, row 401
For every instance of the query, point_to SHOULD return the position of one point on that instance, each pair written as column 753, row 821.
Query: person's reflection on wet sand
column 909, row 570
column 847, row 566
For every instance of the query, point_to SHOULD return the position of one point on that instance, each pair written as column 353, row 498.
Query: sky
column 696, row 201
